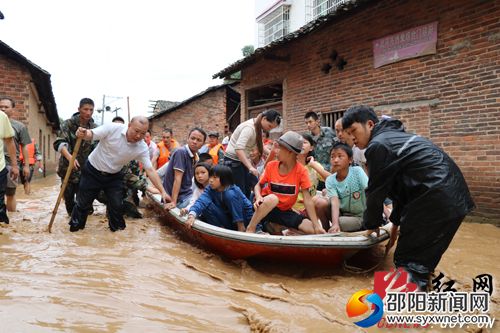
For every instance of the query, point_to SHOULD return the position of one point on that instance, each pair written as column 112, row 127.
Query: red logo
column 393, row 281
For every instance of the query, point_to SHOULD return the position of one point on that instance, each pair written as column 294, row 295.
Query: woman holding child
column 245, row 138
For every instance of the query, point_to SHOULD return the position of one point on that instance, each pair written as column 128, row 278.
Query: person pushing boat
column 118, row 145
column 429, row 192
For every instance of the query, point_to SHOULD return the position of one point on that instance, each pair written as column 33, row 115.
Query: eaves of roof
column 41, row 80
column 191, row 99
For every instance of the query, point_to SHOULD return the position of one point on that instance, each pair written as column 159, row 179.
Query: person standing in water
column 21, row 140
column 429, row 193
column 6, row 137
column 118, row 145
column 65, row 144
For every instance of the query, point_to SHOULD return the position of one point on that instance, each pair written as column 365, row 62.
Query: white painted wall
column 297, row 14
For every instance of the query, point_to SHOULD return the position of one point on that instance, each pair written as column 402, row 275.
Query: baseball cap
column 213, row 133
column 292, row 141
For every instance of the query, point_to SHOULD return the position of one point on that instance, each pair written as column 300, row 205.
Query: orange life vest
column 174, row 144
column 214, row 152
column 164, row 154
column 31, row 152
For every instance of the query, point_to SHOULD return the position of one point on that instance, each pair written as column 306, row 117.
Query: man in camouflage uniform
column 134, row 181
column 324, row 137
column 65, row 144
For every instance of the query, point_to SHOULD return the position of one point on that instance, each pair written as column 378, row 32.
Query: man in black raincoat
column 429, row 192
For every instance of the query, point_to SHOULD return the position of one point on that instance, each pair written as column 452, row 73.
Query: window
column 265, row 97
column 317, row 8
column 274, row 25
column 329, row 119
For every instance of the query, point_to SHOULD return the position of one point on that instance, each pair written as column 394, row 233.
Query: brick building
column 30, row 87
column 210, row 110
column 451, row 96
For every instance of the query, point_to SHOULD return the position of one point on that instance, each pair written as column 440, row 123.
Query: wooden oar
column 65, row 181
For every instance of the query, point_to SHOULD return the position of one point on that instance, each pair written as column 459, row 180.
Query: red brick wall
column 451, row 97
column 15, row 83
column 207, row 112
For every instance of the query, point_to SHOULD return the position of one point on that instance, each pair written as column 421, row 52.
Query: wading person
column 134, row 181
column 34, row 156
column 118, row 145
column 429, row 193
column 65, row 144
column 6, row 138
column 21, row 140
column 246, row 137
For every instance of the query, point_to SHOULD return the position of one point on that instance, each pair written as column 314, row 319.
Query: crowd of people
column 19, row 156
column 360, row 175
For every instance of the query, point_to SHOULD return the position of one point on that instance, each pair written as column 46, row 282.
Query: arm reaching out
column 155, row 179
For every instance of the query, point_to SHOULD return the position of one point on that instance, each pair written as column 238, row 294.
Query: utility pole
column 107, row 108
column 103, row 108
column 128, row 108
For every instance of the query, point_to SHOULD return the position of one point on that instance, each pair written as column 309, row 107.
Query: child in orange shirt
column 285, row 178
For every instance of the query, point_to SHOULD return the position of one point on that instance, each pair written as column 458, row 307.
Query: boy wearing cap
column 285, row 178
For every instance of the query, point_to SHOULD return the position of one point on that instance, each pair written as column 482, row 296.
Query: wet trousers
column 3, row 186
column 420, row 248
column 91, row 183
column 69, row 196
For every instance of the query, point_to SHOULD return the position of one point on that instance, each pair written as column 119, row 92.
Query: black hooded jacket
column 426, row 186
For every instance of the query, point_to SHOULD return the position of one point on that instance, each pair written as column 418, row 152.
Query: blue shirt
column 232, row 201
column 183, row 160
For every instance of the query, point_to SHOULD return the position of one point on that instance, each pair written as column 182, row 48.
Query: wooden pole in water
column 65, row 181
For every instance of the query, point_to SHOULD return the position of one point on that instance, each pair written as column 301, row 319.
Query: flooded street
column 147, row 279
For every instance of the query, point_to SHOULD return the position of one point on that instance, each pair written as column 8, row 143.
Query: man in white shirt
column 118, row 145
column 153, row 149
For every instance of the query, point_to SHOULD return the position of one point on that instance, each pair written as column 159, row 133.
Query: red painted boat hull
column 319, row 250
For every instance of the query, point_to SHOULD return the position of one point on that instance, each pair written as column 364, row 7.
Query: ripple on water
column 147, row 279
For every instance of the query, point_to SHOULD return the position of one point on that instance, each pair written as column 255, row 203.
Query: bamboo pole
column 65, row 181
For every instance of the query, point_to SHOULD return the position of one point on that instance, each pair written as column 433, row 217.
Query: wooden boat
column 325, row 249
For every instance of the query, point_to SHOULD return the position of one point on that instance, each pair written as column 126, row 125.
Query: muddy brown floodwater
column 146, row 279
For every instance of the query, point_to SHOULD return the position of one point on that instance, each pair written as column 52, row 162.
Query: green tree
column 247, row 50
